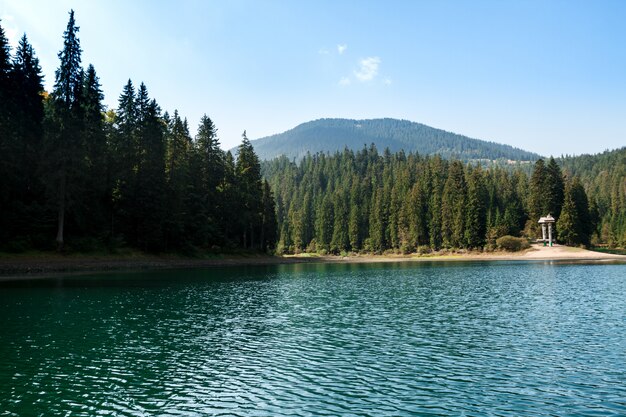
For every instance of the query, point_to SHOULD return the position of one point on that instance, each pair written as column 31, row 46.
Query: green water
column 474, row 339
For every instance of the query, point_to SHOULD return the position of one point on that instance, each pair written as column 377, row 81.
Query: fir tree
column 554, row 189
column 248, row 172
column 64, row 147
column 568, row 224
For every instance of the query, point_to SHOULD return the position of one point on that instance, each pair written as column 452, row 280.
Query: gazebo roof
column 547, row 219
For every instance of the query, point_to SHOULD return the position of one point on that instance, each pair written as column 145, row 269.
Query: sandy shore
column 536, row 252
column 24, row 265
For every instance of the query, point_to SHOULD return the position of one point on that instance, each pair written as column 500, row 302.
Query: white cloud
column 323, row 51
column 387, row 81
column 345, row 81
column 342, row 48
column 368, row 69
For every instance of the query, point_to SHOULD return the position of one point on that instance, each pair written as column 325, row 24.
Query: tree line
column 366, row 201
column 72, row 172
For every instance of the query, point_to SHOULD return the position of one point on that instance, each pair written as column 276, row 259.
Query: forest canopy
column 75, row 175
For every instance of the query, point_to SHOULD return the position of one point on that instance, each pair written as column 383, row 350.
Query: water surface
column 474, row 339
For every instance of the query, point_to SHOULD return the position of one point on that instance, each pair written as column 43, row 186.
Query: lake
column 445, row 338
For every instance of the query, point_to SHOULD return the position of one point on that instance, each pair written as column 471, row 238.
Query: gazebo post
column 550, row 233
column 543, row 221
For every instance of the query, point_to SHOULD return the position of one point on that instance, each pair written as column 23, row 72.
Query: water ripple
column 535, row 339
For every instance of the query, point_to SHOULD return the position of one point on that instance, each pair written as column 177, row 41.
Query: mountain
column 330, row 135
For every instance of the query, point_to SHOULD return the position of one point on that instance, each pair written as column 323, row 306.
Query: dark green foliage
column 554, row 189
column 475, row 210
column 575, row 224
column 127, row 177
column 371, row 202
column 603, row 177
column 22, row 202
column 331, row 135
column 64, row 147
column 248, row 180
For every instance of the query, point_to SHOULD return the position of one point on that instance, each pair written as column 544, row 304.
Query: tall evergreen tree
column 581, row 205
column 64, row 148
column 125, row 166
column 211, row 173
column 248, row 171
column 537, row 200
column 568, row 224
column 268, row 219
column 20, row 148
column 453, row 207
column 97, row 195
column 554, row 189
column 475, row 210
column 151, row 183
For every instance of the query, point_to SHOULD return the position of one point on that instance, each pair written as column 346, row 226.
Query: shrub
column 424, row 249
column 512, row 243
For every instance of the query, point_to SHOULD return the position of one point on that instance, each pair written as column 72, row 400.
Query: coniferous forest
column 74, row 175
column 365, row 201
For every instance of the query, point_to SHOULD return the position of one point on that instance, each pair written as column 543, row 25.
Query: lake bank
column 35, row 265
column 536, row 252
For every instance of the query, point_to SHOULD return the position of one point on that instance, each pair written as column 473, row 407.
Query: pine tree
column 568, row 224
column 536, row 201
column 475, row 210
column 584, row 226
column 96, row 207
column 178, row 176
column 437, row 181
column 125, row 166
column 22, row 188
column 211, row 172
column 268, row 219
column 453, row 206
column 64, row 147
column 151, row 183
column 248, row 172
column 340, row 240
column 554, row 189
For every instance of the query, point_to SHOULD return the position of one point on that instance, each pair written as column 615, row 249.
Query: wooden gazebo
column 546, row 222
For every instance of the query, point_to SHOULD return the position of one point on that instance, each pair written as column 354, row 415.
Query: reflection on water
column 504, row 339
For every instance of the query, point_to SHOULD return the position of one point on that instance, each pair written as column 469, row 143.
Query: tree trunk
column 61, row 217
column 263, row 247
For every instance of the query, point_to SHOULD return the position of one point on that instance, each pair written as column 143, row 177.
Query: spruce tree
column 151, row 183
column 554, row 189
column 97, row 194
column 581, row 204
column 64, row 147
column 20, row 145
column 537, row 199
column 568, row 225
column 475, row 210
column 268, row 219
column 248, row 172
column 453, row 207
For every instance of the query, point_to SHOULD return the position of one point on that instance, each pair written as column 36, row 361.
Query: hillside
column 330, row 135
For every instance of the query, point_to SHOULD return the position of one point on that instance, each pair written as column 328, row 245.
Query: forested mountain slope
column 330, row 135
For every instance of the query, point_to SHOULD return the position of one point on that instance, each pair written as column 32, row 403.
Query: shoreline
column 25, row 266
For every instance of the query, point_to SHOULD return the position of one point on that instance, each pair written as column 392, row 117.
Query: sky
column 545, row 76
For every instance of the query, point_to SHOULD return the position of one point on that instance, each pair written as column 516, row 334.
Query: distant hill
column 330, row 135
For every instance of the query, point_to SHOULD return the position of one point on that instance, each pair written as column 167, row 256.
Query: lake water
column 473, row 339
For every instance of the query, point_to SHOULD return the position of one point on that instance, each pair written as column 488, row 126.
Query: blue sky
column 546, row 76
